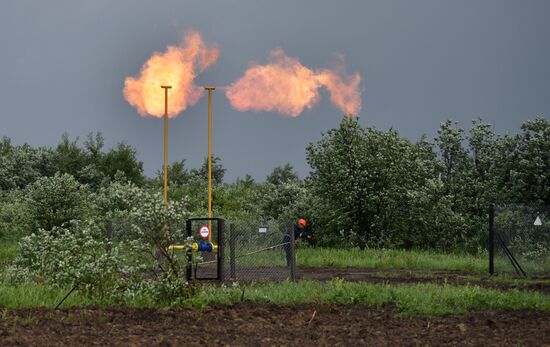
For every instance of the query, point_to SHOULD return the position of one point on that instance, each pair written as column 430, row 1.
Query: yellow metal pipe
column 210, row 89
column 166, row 145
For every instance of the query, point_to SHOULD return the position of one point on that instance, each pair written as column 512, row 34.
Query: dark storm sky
column 63, row 65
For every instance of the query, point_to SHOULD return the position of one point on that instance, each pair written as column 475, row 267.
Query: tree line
column 366, row 187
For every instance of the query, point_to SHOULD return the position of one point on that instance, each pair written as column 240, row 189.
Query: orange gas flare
column 177, row 67
column 286, row 86
column 344, row 90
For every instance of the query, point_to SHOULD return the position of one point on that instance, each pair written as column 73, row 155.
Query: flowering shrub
column 52, row 201
column 67, row 256
column 132, row 260
column 14, row 216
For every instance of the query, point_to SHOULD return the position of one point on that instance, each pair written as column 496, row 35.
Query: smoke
column 177, row 67
column 286, row 86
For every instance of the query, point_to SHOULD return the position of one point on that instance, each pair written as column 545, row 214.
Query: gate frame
column 220, row 273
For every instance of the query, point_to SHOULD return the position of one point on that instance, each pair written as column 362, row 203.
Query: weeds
column 418, row 299
column 390, row 259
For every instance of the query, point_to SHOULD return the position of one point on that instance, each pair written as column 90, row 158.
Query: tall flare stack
column 210, row 89
column 166, row 144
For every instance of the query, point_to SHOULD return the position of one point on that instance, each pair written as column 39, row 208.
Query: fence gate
column 260, row 251
column 206, row 257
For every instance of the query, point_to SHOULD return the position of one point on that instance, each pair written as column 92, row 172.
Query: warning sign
column 204, row 232
column 538, row 222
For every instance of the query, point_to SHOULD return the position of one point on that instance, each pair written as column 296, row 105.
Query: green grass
column 390, row 259
column 33, row 295
column 529, row 265
column 420, row 299
column 357, row 258
column 8, row 251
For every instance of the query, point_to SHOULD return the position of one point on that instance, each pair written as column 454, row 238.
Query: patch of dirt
column 249, row 324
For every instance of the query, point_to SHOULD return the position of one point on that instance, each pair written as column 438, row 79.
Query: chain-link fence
column 259, row 251
column 243, row 251
column 519, row 239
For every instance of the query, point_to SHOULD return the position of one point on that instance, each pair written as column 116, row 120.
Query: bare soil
column 250, row 324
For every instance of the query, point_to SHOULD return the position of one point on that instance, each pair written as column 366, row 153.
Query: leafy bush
column 134, row 261
column 53, row 201
column 69, row 256
column 14, row 216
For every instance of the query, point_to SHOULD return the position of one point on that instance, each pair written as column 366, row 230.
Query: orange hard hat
column 302, row 222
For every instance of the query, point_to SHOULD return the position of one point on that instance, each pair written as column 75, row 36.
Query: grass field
column 389, row 259
column 419, row 298
column 367, row 258
column 8, row 251
column 423, row 299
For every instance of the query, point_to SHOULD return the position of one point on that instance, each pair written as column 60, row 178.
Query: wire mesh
column 258, row 251
column 522, row 239
column 121, row 232
column 246, row 251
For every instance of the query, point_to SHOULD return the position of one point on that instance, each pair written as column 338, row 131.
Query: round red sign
column 204, row 232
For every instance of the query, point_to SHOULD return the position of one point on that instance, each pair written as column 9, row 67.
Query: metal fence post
column 189, row 271
column 221, row 247
column 491, row 244
column 232, row 254
column 292, row 254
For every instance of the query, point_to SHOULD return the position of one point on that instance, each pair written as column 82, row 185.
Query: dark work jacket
column 297, row 232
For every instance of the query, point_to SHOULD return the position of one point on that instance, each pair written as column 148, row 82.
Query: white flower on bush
column 134, row 260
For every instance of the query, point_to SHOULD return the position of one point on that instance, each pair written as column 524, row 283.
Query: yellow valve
column 176, row 248
column 194, row 247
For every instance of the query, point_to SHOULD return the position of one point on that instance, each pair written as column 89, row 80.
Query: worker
column 299, row 233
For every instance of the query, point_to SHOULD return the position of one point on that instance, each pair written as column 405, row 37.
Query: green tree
column 531, row 174
column 177, row 174
column 481, row 189
column 123, row 158
column 339, row 180
column 455, row 157
column 53, row 201
column 247, row 181
column 362, row 180
column 277, row 200
column 69, row 157
column 282, row 175
column 218, row 171
column 22, row 165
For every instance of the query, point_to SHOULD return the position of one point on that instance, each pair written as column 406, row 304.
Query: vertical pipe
column 166, row 145
column 166, row 160
column 491, row 239
column 189, row 270
column 232, row 247
column 221, row 249
column 210, row 89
